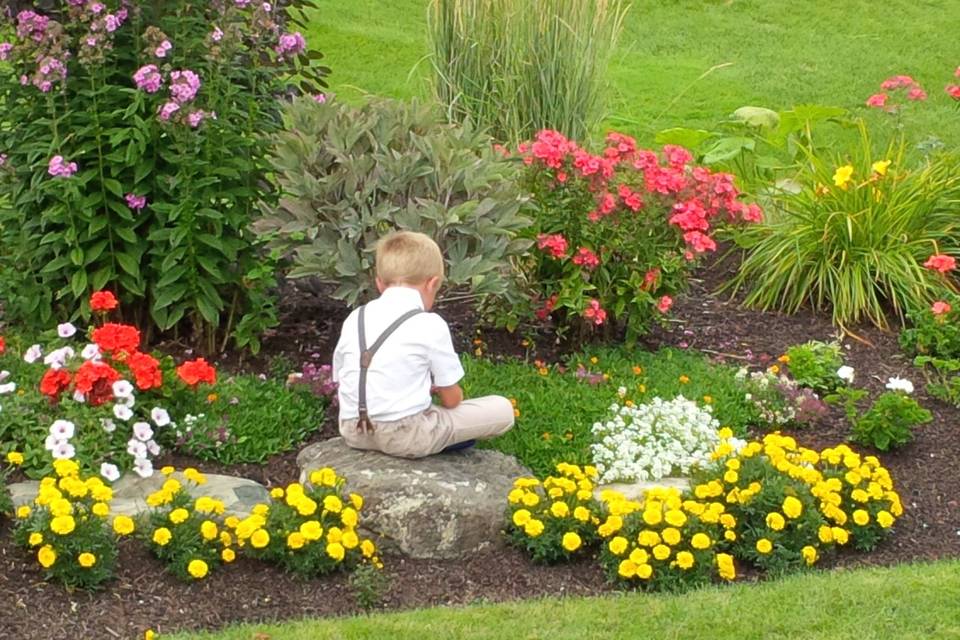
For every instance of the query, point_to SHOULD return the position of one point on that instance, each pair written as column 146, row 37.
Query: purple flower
column 122, row 15
column 291, row 44
column 96, row 8
column 136, row 202
column 161, row 51
column 5, row 49
column 111, row 22
column 195, row 118
column 167, row 111
column 242, row 3
column 31, row 25
column 319, row 97
column 59, row 168
column 217, row 34
column 3, row 159
column 148, row 78
column 184, row 85
column 267, row 7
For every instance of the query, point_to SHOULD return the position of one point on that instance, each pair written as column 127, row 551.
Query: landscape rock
column 636, row 490
column 443, row 506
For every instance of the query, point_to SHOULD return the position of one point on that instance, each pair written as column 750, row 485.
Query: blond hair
column 408, row 257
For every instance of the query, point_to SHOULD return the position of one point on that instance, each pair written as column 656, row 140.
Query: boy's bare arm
column 450, row 396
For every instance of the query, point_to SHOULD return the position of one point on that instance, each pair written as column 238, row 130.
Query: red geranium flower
column 145, row 369
column 594, row 312
column 196, row 371
column 95, row 380
column 54, row 382
column 3, row 344
column 117, row 338
column 940, row 308
column 103, row 301
column 665, row 303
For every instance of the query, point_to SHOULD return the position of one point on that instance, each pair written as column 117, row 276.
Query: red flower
column 586, row 258
column 650, row 279
column 54, row 382
column 554, row 245
column 676, row 155
column 953, row 90
column 117, row 338
column 877, row 100
column 940, row 308
column 595, row 313
column 146, row 370
column 3, row 344
column 665, row 303
column 103, row 301
column 631, row 199
column 699, row 242
column 95, row 380
column 940, row 262
column 547, row 308
column 196, row 371
column 916, row 93
column 897, row 82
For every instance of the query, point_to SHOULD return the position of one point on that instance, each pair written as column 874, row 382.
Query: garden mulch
column 927, row 474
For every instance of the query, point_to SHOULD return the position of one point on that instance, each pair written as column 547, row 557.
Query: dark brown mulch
column 926, row 473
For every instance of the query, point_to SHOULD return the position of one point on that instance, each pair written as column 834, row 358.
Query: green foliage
column 854, row 244
column 943, row 377
column 243, row 419
column 932, row 334
column 186, row 258
column 889, row 422
column 349, row 175
column 370, row 585
column 518, row 67
column 814, row 364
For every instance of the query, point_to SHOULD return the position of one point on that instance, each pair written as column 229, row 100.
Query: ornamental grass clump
column 555, row 519
column 69, row 530
column 311, row 530
column 187, row 534
column 664, row 542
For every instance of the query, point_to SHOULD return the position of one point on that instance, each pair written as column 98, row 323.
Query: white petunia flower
column 136, row 448
column 122, row 389
column 51, row 442
column 9, row 387
column 122, row 412
column 63, row 451
column 62, row 429
column 33, row 354
column 153, row 448
column 845, row 373
column 66, row 330
column 108, row 425
column 143, row 467
column 110, row 472
column 79, row 397
column 57, row 359
column 90, row 352
column 900, row 384
column 160, row 417
column 142, row 431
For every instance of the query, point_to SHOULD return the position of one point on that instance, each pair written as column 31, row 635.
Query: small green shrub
column 814, row 364
column 934, row 331
column 351, row 174
column 890, row 420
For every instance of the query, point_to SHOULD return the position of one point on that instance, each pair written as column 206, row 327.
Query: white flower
column 122, row 389
column 136, row 448
column 4, row 375
column 122, row 412
column 143, row 467
column 109, row 472
column 51, row 442
column 79, row 397
column 57, row 358
column 108, row 425
column 845, row 373
column 90, row 352
column 900, row 384
column 63, row 451
column 62, row 429
column 160, row 417
column 153, row 448
column 33, row 354
column 622, row 392
column 66, row 330
column 9, row 387
column 142, row 431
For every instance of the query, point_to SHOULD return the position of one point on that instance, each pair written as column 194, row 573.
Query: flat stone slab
column 636, row 490
column 130, row 492
column 443, row 506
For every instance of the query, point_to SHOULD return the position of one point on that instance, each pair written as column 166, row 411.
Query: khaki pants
column 434, row 429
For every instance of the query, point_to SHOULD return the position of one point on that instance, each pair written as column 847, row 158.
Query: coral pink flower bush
column 619, row 231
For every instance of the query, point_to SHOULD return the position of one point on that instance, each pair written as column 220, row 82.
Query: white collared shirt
column 418, row 355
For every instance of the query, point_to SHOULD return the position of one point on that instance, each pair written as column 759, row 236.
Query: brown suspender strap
column 366, row 355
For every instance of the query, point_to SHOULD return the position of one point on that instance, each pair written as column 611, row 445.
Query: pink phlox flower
column 586, row 259
column 917, row 94
column 594, row 312
column 941, row 262
column 664, row 304
column 32, row 25
column 699, row 242
column 676, row 155
column 953, row 90
column 148, row 78
column 59, row 168
column 554, row 245
column 136, row 202
column 167, row 110
column 940, row 308
column 877, row 100
column 897, row 82
column 5, row 49
column 161, row 51
column 217, row 34
column 291, row 44
column 690, row 215
column 184, row 85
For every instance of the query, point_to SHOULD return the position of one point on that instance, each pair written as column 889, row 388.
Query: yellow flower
column 775, row 521
column 618, row 545
column 533, row 528
column 179, row 515
column 582, row 514
column 764, row 546
column 15, row 458
column 684, row 379
column 571, row 541
column 725, row 566
column 774, row 369
column 861, row 517
column 261, row 509
column 842, row 176
column 194, row 476
column 167, row 470
column 560, row 509
column 296, row 540
column 652, row 516
column 306, row 506
column 101, row 509
column 231, row 522
column 825, row 534
column 86, row 560
column 23, row 511
column 884, row 519
column 349, row 517
column 700, row 541
column 661, row 552
column 311, row 530
column 840, row 535
column 675, row 518
column 228, row 555
column 35, row 539
column 594, row 360
column 350, row 539
column 880, row 167
column 792, row 507
column 46, row 556
column 731, row 476
column 627, row 568
column 336, row 551
column 708, row 399
column 729, row 535
column 276, row 493
column 60, row 507
column 685, row 560
column 530, row 499
column 66, row 468
column 208, row 529
column 671, row 536
column 260, row 539
column 226, row 539
column 162, row 536
column 63, row 525
column 784, row 359
column 367, row 548
column 521, row 517
column 149, row 635
column 198, row 569
column 809, row 554
column 325, row 476
column 123, row 525
column 648, row 538
column 644, row 571
column 543, row 371
column 356, row 500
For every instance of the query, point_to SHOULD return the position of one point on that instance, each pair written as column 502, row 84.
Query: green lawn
column 777, row 53
column 905, row 602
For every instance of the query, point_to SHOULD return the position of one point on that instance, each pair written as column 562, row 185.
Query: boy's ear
column 433, row 284
column 380, row 285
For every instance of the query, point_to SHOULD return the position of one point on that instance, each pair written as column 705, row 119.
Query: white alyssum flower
column 57, row 359
column 900, row 384
column 66, row 330
column 122, row 389
column 33, row 354
column 143, row 467
column 63, row 451
column 108, row 425
column 91, row 352
column 8, row 387
column 110, row 472
column 845, row 373
column 62, row 429
column 160, row 417
column 653, row 440
column 122, row 412
column 142, row 431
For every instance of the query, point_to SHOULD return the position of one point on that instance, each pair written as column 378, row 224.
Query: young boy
column 385, row 395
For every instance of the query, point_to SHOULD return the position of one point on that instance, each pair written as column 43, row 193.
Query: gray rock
column 443, row 506
column 636, row 490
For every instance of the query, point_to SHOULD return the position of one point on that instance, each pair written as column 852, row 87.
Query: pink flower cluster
column 5, row 49
column 58, row 167
column 32, row 26
column 953, row 90
column 136, row 202
column 586, row 259
column 941, row 308
column 941, row 262
column 291, row 44
column 148, row 78
column 163, row 49
column 896, row 83
column 554, row 245
column 184, row 85
column 594, row 312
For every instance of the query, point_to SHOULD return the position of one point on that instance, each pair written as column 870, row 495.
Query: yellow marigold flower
column 260, row 539
column 162, row 536
column 23, row 511
column 809, row 554
column 764, row 546
column 683, row 379
column 784, row 359
column 582, row 514
column 336, row 551
column 123, row 525
column 652, row 516
column 66, row 468
column 296, row 540
column 208, row 529
column 775, row 521
column 159, row 498
column 639, row 556
column 530, row 499
column 661, row 552
column 840, row 536
column 349, row 517
column 277, row 493
column 60, row 507
column 725, row 566
column 228, row 555
column 583, row 495
column 700, row 541
column 333, row 504
column 101, row 509
column 685, row 560
column 774, row 369
column 674, row 518
column 728, row 521
column 231, row 522
column 515, row 496
column 644, row 571
column 179, row 515
column 325, row 476
column 15, row 458
column 731, row 476
column 671, row 536
column 627, row 569
column 610, row 526
column 101, row 493
column 792, row 507
column 618, row 545
column 521, row 517
column 555, row 492
column 194, row 476
column 46, row 556
column 859, row 495
column 880, row 167
column 560, row 509
column 356, row 500
column 367, row 548
column 63, row 525
column 884, row 519
column 861, row 517
column 198, row 569
column 261, row 509
column 729, row 535
column 350, row 540
column 226, row 539
column 306, row 506
column 648, row 538
column 311, row 530
column 852, row 477
column 533, row 527
column 637, row 370
column 825, row 534
column 86, row 559
column 167, row 470
column 708, row 399
column 571, row 541
column 35, row 539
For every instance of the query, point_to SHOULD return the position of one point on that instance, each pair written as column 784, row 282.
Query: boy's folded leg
column 474, row 419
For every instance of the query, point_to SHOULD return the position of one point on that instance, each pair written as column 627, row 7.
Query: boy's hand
column 450, row 396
